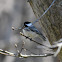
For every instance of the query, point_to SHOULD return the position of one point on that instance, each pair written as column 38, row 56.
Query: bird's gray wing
column 32, row 28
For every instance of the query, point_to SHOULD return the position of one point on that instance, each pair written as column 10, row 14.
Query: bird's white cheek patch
column 29, row 24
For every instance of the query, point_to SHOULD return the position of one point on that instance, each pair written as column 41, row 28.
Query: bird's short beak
column 22, row 27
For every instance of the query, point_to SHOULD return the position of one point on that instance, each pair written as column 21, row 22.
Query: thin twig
column 44, row 12
column 17, row 48
column 7, row 53
column 16, row 28
column 23, row 47
column 22, row 55
column 33, row 40
column 50, row 47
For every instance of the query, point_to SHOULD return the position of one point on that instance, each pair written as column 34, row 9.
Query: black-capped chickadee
column 30, row 31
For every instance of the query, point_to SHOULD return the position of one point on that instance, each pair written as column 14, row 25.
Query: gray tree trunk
column 51, row 22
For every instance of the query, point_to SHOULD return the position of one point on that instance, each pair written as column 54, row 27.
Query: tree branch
column 22, row 55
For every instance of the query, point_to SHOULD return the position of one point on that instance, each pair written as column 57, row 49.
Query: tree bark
column 51, row 22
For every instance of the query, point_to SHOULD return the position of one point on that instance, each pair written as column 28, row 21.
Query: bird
column 31, row 31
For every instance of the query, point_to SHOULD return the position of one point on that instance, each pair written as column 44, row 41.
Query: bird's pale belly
column 30, row 34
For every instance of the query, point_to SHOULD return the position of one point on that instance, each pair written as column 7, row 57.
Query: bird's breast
column 29, row 33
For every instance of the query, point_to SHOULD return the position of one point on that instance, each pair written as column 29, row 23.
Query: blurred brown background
column 14, row 13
